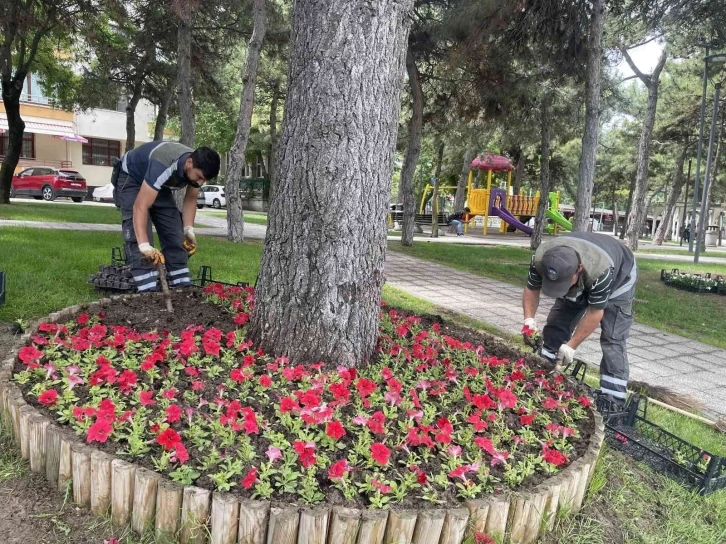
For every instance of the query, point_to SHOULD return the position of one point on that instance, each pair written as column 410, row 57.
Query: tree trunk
column 714, row 180
column 261, row 160
column 163, row 114
column 435, row 203
column 616, row 218
column 11, row 91
column 235, row 219
column 415, row 126
column 319, row 290
column 592, row 118
column 131, row 118
column 519, row 172
column 673, row 194
column 184, row 79
column 544, row 171
column 273, row 153
column 637, row 210
column 460, row 196
column 626, row 219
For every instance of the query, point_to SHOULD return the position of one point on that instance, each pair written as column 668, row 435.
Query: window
column 28, row 149
column 101, row 152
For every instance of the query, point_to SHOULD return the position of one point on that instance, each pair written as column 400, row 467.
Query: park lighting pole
column 707, row 179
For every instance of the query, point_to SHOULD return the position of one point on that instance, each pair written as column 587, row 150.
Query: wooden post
column 122, row 491
column 553, row 502
column 15, row 402
column 25, row 411
column 195, row 514
column 81, row 462
column 497, row 518
column 429, row 524
column 536, row 515
column 372, row 527
column 100, row 483
column 400, row 526
column 225, row 518
column 65, row 463
column 282, row 528
column 344, row 525
column 582, row 481
column 569, row 488
column 314, row 526
column 37, row 428
column 455, row 525
column 478, row 513
column 144, row 508
column 52, row 453
column 253, row 522
column 168, row 509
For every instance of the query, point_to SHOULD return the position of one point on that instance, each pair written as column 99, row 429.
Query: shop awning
column 40, row 126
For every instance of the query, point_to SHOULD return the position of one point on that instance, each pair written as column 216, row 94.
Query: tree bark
column 11, row 91
column 163, row 114
column 674, row 193
column 184, row 79
column 131, row 117
column 235, row 219
column 544, row 170
column 435, row 202
column 415, row 126
column 319, row 290
column 273, row 152
column 637, row 210
column 592, row 118
column 626, row 219
column 460, row 196
column 519, row 172
column 714, row 180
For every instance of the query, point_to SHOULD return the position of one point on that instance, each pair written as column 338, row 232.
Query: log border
column 515, row 517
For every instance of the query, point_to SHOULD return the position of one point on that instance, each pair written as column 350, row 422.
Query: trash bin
column 711, row 237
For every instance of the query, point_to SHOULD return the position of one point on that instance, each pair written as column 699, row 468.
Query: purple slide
column 507, row 217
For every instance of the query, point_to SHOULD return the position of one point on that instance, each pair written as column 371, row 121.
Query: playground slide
column 507, row 217
column 558, row 218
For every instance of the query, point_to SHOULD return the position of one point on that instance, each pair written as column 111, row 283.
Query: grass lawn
column 250, row 217
column 697, row 316
column 626, row 501
column 60, row 213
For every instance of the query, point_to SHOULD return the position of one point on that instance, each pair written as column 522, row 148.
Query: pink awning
column 73, row 138
column 37, row 127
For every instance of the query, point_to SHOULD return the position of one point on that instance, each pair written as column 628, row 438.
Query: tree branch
column 645, row 79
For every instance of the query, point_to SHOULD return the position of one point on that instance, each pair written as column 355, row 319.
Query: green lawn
column 60, row 213
column 250, row 217
column 48, row 270
column 697, row 316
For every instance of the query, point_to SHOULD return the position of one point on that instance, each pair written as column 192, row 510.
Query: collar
column 180, row 164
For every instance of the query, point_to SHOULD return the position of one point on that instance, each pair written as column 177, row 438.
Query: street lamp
column 718, row 58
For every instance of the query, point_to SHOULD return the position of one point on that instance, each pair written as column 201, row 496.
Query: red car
column 49, row 183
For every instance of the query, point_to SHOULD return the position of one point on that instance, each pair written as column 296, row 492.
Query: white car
column 211, row 195
column 103, row 193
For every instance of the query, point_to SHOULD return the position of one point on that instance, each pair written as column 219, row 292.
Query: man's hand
column 530, row 333
column 151, row 253
column 566, row 354
column 190, row 241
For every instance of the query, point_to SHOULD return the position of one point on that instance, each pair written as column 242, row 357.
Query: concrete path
column 656, row 357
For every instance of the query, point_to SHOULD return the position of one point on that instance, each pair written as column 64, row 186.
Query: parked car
column 211, row 195
column 49, row 183
column 103, row 193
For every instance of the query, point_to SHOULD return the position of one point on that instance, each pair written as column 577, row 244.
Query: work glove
column 530, row 333
column 151, row 253
column 190, row 241
column 566, row 354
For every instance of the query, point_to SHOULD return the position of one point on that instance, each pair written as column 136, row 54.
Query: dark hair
column 467, row 210
column 207, row 160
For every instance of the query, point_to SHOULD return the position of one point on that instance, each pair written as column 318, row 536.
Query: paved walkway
column 656, row 357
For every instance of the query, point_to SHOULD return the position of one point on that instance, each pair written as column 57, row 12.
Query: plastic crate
column 663, row 451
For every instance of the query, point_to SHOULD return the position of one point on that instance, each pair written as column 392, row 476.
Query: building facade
column 86, row 141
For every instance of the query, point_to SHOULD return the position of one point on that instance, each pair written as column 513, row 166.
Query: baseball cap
column 559, row 264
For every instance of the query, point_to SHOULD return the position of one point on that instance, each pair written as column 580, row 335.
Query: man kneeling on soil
column 593, row 278
column 143, row 192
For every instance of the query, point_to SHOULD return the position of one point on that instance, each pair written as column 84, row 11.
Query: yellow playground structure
column 494, row 201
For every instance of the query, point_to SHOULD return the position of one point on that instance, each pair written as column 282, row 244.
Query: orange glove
column 151, row 253
column 190, row 241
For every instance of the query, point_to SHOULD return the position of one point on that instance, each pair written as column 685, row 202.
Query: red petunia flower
column 30, row 356
column 376, row 422
column 338, row 470
column 82, row 319
column 305, row 452
column 250, row 479
column 365, row 387
column 173, row 413
column 380, row 453
column 146, row 398
column 48, row 398
column 99, row 431
column 180, row 453
column 584, row 401
column 168, row 439
column 265, row 381
column 554, row 457
column 335, row 430
column 197, row 385
column 526, row 419
column 287, row 404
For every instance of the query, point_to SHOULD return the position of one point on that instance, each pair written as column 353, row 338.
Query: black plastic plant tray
column 204, row 278
column 665, row 452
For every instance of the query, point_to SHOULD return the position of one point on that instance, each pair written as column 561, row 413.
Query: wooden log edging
column 144, row 498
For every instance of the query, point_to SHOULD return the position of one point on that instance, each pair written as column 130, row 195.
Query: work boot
column 608, row 405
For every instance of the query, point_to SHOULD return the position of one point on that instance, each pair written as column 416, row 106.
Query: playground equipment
column 553, row 214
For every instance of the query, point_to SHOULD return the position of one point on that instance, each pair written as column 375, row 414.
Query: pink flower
column 338, row 470
column 250, row 479
column 335, row 430
column 48, row 398
column 383, row 488
column 380, row 453
column 454, row 451
column 360, row 420
column 273, row 454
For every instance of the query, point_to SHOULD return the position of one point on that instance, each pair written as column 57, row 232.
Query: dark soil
column 148, row 313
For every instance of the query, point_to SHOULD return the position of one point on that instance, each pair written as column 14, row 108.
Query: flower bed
column 432, row 421
column 696, row 283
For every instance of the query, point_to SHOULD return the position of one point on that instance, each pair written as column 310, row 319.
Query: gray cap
column 559, row 264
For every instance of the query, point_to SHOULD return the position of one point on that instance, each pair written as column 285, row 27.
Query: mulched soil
column 148, row 313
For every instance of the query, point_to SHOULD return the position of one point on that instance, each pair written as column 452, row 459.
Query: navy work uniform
column 607, row 282
column 161, row 166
